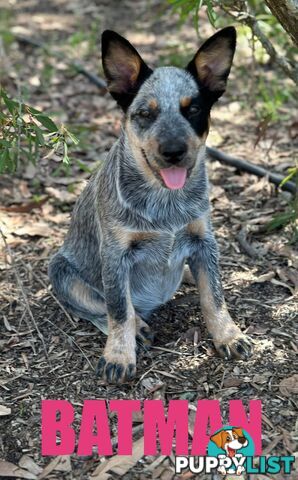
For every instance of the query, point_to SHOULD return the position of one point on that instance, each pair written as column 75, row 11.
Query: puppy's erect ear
column 212, row 63
column 124, row 69
column 219, row 439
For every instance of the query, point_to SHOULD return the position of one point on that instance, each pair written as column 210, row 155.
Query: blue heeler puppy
column 145, row 214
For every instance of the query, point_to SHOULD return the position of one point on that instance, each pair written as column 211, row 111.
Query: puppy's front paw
column 118, row 368
column 239, row 347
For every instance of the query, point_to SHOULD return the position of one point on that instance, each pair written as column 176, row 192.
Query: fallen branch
column 245, row 166
column 246, row 246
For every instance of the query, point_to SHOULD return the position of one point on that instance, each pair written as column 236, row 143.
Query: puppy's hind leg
column 77, row 296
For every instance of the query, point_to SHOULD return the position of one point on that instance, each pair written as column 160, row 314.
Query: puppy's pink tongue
column 174, row 177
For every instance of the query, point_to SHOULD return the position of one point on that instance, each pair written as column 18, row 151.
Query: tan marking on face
column 82, row 295
column 150, row 145
column 153, row 103
column 198, row 227
column 185, row 102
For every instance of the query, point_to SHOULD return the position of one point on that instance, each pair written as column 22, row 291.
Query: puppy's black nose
column 242, row 440
column 173, row 152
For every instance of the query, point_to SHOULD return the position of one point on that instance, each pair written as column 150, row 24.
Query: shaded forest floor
column 47, row 354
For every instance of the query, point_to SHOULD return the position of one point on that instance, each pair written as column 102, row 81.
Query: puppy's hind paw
column 240, row 348
column 144, row 336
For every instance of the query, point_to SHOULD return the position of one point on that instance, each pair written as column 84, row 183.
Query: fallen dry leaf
column 232, row 382
column 8, row 469
column 29, row 464
column 119, row 464
column 62, row 196
column 58, row 463
column 289, row 275
column 191, row 333
column 216, row 192
column 40, row 229
column 264, row 278
column 4, row 410
column 289, row 385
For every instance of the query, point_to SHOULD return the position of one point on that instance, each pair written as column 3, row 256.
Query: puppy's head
column 167, row 110
column 230, row 440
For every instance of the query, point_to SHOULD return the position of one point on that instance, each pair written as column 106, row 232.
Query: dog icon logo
column 231, row 445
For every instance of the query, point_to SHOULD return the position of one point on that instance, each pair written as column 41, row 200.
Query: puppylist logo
column 231, row 451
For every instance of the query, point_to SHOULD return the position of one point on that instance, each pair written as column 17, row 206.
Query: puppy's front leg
column 118, row 363
column 228, row 339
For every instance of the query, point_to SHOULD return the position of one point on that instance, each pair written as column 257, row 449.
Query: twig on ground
column 72, row 339
column 21, row 287
column 250, row 168
column 49, row 291
column 249, row 249
column 167, row 350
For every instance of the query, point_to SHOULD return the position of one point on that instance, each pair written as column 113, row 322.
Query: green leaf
column 11, row 105
column 293, row 172
column 6, row 162
column 72, row 137
column 33, row 111
column 39, row 136
column 281, row 220
column 65, row 155
column 46, row 122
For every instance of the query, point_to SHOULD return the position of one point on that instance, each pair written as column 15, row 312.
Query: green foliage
column 83, row 42
column 270, row 97
column 5, row 34
column 176, row 55
column 26, row 132
column 192, row 7
column 288, row 218
column 290, row 215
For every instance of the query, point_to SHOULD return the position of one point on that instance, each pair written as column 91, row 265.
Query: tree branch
column 250, row 168
column 245, row 17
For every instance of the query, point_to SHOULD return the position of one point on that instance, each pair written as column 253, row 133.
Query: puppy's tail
column 77, row 296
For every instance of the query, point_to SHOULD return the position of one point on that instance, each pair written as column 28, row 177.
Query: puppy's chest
column 161, row 249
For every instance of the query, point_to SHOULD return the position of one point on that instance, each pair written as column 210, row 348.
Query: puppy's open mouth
column 173, row 177
column 231, row 452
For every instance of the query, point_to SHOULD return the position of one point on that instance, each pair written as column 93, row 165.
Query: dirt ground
column 47, row 354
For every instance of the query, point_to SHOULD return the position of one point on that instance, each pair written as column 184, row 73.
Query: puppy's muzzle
column 173, row 152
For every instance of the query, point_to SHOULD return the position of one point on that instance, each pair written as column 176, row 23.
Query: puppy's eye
column 193, row 110
column 143, row 113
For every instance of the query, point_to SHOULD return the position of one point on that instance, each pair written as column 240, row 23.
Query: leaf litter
column 260, row 288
